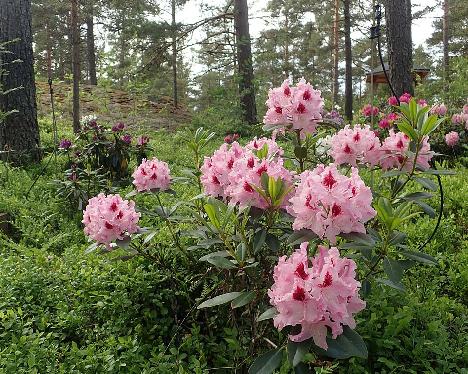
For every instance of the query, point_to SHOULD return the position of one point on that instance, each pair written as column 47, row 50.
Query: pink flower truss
column 405, row 98
column 323, row 295
column 152, row 174
column 422, row 103
column 358, row 144
column 108, row 218
column 440, row 110
column 215, row 169
column 329, row 203
column 394, row 152
column 273, row 148
column 246, row 174
column 299, row 106
column 452, row 138
column 392, row 100
column 369, row 110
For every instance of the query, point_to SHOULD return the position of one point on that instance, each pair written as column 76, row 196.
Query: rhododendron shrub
column 275, row 227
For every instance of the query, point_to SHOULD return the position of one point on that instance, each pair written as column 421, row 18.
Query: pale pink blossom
column 439, row 110
column 329, row 203
column 452, row 138
column 152, row 175
column 257, row 144
column 353, row 145
column 422, row 103
column 216, row 169
column 315, row 297
column 299, row 107
column 109, row 218
column 395, row 152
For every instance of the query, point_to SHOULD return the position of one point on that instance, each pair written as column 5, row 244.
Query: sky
column 190, row 13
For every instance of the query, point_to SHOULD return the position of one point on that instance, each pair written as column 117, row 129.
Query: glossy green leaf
column 267, row 363
column 348, row 344
column 426, row 183
column 243, row 299
column 420, row 257
column 219, row 300
column 221, row 262
column 297, row 351
column 267, row 314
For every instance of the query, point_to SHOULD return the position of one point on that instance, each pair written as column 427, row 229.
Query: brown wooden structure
column 377, row 75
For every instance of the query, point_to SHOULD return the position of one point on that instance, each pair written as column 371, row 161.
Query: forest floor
column 113, row 105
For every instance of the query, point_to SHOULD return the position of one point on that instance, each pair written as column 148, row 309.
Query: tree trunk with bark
column 174, row 55
column 75, row 31
column 19, row 131
column 335, row 87
column 445, row 37
column 400, row 49
column 91, row 49
column 244, row 59
column 348, row 62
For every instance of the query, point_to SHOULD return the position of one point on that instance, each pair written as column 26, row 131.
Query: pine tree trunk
column 91, row 50
column 400, row 49
column 75, row 65
column 348, row 62
column 244, row 59
column 174, row 55
column 335, row 53
column 445, row 36
column 48, row 51
column 19, row 132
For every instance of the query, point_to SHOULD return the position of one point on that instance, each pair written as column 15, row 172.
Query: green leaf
column 431, row 124
column 420, row 257
column 149, row 237
column 301, row 236
column 413, row 196
column 272, row 242
column 267, row 363
column 211, row 212
column 124, row 243
column 406, row 128
column 214, row 254
column 259, row 240
column 397, row 237
column 439, row 172
column 393, row 173
column 91, row 248
column 426, row 183
column 297, row 351
column 348, row 344
column 267, row 314
column 426, row 208
column 221, row 262
column 219, row 300
column 365, row 288
column 243, row 299
column 394, row 271
column 389, row 283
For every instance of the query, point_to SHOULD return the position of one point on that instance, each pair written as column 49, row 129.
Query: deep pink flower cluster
column 329, row 203
column 440, row 110
column 395, row 152
column 357, row 144
column 299, row 106
column 231, row 138
column 323, row 295
column 118, row 127
column 143, row 140
column 388, row 120
column 234, row 172
column 152, row 175
column 452, row 138
column 368, row 110
column 405, row 98
column 108, row 218
column 65, row 144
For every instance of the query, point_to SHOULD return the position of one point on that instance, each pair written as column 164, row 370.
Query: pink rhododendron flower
column 369, row 110
column 246, row 174
column 109, row 218
column 439, row 110
column 323, row 295
column 395, row 152
column 384, row 123
column 452, row 138
column 392, row 100
column 299, row 106
column 465, row 108
column 329, row 203
column 405, row 98
column 215, row 169
column 142, row 140
column 422, row 103
column 358, row 144
column 273, row 148
column 460, row 119
column 151, row 175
